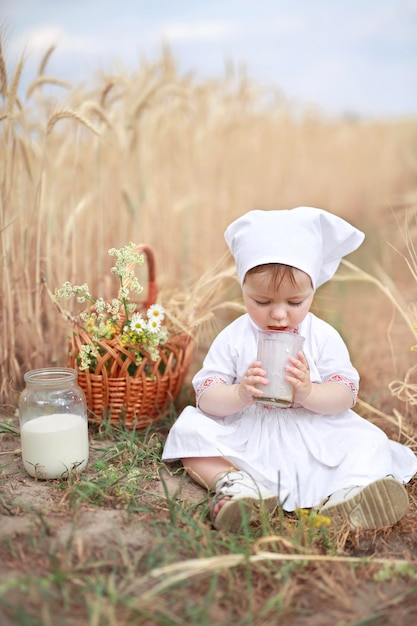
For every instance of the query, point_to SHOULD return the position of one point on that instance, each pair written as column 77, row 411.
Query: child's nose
column 278, row 313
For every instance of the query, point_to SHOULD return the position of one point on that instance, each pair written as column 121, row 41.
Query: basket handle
column 152, row 284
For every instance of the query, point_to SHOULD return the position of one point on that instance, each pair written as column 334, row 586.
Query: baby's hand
column 299, row 377
column 254, row 375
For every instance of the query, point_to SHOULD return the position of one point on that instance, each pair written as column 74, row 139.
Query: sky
column 343, row 57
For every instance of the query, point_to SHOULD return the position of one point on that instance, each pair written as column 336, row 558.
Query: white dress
column 300, row 455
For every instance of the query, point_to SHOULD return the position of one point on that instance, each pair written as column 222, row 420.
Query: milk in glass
column 274, row 351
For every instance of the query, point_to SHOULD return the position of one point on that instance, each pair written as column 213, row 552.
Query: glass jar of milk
column 53, row 423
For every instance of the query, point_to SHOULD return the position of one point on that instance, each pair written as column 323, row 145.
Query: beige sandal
column 244, row 499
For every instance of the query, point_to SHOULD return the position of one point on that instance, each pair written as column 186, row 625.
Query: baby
column 317, row 452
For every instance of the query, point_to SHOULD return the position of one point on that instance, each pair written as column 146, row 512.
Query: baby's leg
column 207, row 470
column 237, row 490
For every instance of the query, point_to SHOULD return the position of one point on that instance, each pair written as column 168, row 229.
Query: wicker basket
column 141, row 399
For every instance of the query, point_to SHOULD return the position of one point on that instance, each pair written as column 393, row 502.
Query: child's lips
column 278, row 328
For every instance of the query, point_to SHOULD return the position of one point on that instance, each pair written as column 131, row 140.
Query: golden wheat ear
column 72, row 115
column 45, row 80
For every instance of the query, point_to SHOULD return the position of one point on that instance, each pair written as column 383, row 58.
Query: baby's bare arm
column 221, row 400
column 327, row 398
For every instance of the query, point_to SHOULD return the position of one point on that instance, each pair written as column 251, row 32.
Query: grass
column 150, row 555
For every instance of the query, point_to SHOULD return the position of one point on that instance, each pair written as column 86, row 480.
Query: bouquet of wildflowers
column 132, row 357
column 118, row 320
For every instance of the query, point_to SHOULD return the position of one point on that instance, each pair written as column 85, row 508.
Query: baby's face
column 283, row 308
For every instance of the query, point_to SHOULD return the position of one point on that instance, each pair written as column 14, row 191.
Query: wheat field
column 159, row 158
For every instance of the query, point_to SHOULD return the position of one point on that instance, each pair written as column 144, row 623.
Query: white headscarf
column 309, row 239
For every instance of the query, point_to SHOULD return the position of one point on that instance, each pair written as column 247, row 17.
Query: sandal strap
column 237, row 485
column 234, row 483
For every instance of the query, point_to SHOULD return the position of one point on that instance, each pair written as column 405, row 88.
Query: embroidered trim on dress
column 213, row 380
column 338, row 378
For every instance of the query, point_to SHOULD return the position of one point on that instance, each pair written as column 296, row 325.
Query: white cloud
column 38, row 40
column 274, row 26
column 41, row 38
column 205, row 30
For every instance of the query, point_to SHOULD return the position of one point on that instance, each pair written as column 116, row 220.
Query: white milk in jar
column 53, row 445
column 53, row 423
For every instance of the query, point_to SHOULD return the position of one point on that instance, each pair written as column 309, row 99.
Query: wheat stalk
column 405, row 431
column 146, row 97
column 25, row 155
column 14, row 86
column 70, row 114
column 105, row 91
column 192, row 309
column 362, row 276
column 406, row 390
column 169, row 575
column 45, row 80
column 411, row 260
column 3, row 73
column 45, row 59
column 92, row 106
column 70, row 224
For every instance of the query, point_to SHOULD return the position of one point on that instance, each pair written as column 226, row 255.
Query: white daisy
column 137, row 323
column 154, row 325
column 156, row 312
